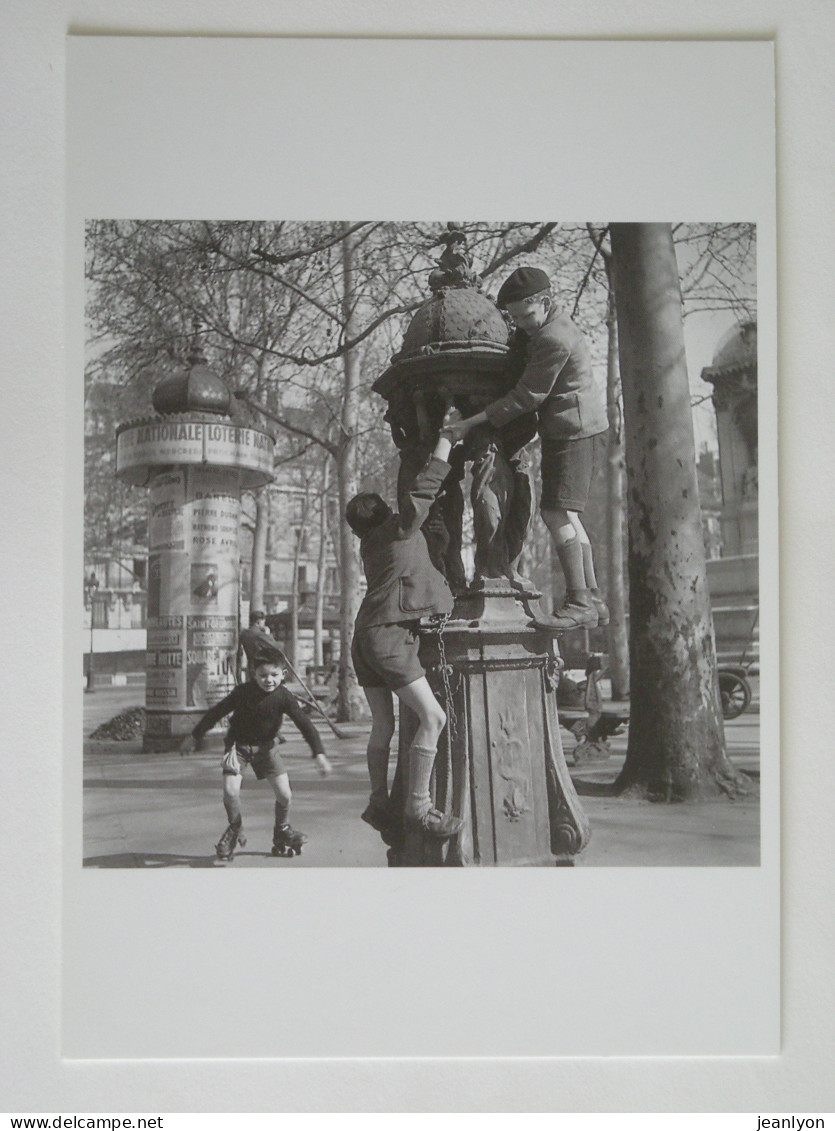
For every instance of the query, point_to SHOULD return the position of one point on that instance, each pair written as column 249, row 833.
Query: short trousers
column 386, row 655
column 265, row 762
column 568, row 470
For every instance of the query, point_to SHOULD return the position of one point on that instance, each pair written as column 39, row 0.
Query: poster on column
column 212, row 510
column 165, row 530
column 164, row 660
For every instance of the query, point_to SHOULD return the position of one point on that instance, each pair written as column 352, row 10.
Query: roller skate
column 234, row 835
column 287, row 841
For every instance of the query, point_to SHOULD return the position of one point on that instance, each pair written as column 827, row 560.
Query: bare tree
column 301, row 531
column 299, row 318
column 321, row 566
column 615, row 509
column 676, row 747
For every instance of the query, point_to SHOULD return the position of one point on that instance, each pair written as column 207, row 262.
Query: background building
column 733, row 577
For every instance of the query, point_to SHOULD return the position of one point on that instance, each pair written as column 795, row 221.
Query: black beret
column 524, row 282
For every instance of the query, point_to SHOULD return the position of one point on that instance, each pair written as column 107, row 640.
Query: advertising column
column 192, row 595
column 195, row 469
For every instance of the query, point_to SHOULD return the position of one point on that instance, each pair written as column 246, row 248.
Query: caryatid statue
column 456, row 350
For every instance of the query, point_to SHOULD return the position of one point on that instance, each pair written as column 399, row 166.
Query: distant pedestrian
column 257, row 708
column 250, row 637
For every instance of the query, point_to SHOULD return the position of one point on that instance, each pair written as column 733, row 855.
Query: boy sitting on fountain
column 558, row 381
column 403, row 586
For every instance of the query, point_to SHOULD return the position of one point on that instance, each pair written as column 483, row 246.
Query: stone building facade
column 733, row 577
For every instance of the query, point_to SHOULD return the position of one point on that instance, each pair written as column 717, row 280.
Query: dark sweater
column 256, row 717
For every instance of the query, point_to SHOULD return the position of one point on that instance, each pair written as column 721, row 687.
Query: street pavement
column 161, row 810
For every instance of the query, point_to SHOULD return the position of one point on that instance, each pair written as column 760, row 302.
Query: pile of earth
column 124, row 727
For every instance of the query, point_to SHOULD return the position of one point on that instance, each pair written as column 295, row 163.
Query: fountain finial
column 455, row 264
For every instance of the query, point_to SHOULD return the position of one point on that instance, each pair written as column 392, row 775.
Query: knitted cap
column 524, row 282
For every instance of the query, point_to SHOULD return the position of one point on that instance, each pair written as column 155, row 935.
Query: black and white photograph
column 421, row 544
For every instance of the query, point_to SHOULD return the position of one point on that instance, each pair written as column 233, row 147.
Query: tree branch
column 282, row 422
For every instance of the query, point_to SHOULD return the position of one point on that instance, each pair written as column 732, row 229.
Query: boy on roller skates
column 250, row 642
column 403, row 586
column 258, row 707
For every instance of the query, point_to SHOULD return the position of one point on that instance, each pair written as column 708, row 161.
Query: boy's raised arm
column 428, row 481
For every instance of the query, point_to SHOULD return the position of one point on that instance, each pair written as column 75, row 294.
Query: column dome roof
column 197, row 389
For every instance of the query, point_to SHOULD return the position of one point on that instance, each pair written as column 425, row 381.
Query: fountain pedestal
column 500, row 763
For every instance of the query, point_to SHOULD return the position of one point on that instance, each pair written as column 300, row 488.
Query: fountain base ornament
column 500, row 764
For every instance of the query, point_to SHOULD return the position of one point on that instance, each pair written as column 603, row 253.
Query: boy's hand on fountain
column 452, row 425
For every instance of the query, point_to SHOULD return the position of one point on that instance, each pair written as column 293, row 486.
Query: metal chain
column 445, row 670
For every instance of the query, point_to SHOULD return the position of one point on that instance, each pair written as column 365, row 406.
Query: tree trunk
column 676, row 748
column 350, row 702
column 293, row 611
column 321, row 566
column 294, row 592
column 259, row 548
column 616, row 589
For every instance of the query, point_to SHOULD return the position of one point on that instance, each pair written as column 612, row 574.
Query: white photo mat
column 423, row 963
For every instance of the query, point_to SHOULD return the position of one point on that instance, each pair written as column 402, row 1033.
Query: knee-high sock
column 588, row 567
column 571, row 560
column 378, row 769
column 282, row 808
column 233, row 809
column 421, row 761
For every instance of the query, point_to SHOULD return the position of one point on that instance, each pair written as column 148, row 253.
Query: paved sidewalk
column 160, row 810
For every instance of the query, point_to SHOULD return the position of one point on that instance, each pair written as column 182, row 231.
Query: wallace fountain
column 500, row 763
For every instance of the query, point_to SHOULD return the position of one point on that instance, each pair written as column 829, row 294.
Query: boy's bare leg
column 287, row 841
column 381, row 704
column 231, row 796
column 431, row 717
column 563, row 525
column 283, row 796
column 588, row 569
column 431, row 721
column 579, row 609
column 233, row 835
